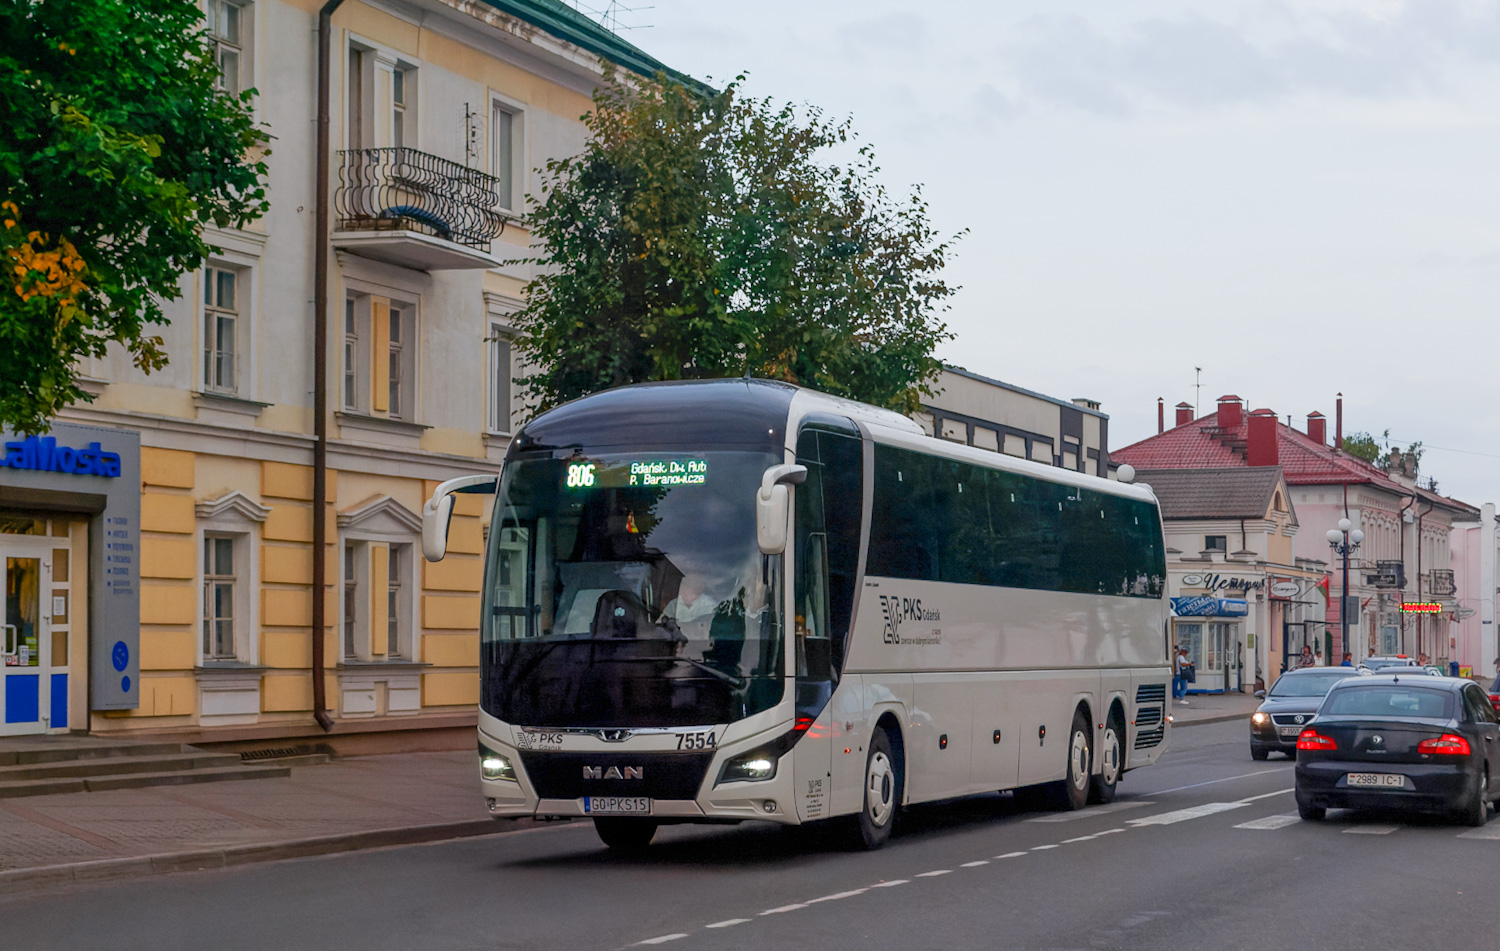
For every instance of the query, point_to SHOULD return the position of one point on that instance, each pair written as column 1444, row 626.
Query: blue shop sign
column 1233, row 607
column 43, row 454
column 1204, row 605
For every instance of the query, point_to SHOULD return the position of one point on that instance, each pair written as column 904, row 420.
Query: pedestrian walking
column 1179, row 676
column 1307, row 659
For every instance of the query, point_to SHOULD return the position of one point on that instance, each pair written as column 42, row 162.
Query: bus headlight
column 753, row 767
column 494, row 767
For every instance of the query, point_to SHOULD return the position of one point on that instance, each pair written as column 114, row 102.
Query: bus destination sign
column 648, row 473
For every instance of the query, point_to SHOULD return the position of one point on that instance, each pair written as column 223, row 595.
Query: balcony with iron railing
column 415, row 209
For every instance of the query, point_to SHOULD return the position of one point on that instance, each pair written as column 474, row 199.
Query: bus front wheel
column 882, row 794
column 625, row 835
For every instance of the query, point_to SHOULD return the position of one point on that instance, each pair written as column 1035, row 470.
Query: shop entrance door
column 25, row 638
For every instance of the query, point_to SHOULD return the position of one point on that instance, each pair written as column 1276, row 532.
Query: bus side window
column 810, row 594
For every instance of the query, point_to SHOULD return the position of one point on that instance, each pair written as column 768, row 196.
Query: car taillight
column 1495, row 701
column 1313, row 740
column 1449, row 744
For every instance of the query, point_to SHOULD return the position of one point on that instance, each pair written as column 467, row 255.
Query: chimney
column 1184, row 413
column 1231, row 412
column 1161, row 416
column 1261, row 447
column 1338, row 424
column 1317, row 427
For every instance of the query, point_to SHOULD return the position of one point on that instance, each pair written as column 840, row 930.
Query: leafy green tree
column 703, row 234
column 116, row 147
column 1377, row 452
column 1363, row 446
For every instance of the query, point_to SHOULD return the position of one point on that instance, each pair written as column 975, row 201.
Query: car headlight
column 1258, row 718
column 495, row 767
column 754, row 767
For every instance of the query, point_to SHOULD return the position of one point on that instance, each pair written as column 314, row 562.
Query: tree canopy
column 116, row 147
column 703, row 234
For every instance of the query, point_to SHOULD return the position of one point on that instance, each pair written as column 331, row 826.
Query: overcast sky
column 1299, row 197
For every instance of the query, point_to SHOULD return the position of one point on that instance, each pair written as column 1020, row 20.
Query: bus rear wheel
column 625, row 835
column 882, row 794
column 1111, row 759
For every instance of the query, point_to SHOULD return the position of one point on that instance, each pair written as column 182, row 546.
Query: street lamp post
column 1343, row 540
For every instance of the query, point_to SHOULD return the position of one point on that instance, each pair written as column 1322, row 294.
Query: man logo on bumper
column 613, row 772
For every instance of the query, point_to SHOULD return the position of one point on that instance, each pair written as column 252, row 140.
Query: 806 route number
column 696, row 741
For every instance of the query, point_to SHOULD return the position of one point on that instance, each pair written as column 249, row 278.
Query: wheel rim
column 1111, row 757
column 1078, row 761
column 880, row 789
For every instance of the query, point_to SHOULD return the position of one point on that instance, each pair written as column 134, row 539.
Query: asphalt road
column 1201, row 850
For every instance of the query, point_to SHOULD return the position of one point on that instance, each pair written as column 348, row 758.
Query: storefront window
column 20, row 525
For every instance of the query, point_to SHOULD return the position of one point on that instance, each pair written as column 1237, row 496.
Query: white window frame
column 238, row 518
column 404, row 647
column 243, row 48
column 510, row 168
column 247, row 313
column 360, row 342
column 374, row 96
column 211, row 312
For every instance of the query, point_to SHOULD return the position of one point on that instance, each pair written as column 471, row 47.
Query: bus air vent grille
column 1151, row 693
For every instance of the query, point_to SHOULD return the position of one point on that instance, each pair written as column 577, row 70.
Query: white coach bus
column 738, row 599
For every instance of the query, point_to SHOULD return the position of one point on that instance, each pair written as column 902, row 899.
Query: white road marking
column 1268, row 795
column 1491, row 831
column 898, row 881
column 1010, row 855
column 1081, row 838
column 975, row 864
column 1373, row 828
column 1038, row 848
column 784, row 909
column 728, row 923
column 836, row 897
column 941, row 871
column 1226, row 779
column 1111, row 831
column 1181, row 815
column 1270, row 822
column 663, row 939
column 1092, row 811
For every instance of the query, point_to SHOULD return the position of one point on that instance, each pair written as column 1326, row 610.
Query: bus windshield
column 627, row 590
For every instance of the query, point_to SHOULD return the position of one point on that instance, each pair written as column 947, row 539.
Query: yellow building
column 158, row 544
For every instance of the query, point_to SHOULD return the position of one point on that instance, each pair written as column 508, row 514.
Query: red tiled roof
column 1201, row 444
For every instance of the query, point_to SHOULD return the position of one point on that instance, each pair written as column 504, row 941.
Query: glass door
column 25, row 642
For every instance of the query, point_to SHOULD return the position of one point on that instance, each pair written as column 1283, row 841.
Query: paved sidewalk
column 359, row 802
column 1213, row 708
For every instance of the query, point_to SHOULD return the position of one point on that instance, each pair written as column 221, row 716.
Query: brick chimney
column 1338, row 432
column 1317, row 427
column 1261, row 449
column 1231, row 412
column 1184, row 413
column 1161, row 415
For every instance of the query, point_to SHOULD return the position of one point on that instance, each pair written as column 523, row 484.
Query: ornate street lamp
column 1343, row 540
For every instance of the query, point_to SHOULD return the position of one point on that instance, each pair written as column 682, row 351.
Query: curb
column 105, row 870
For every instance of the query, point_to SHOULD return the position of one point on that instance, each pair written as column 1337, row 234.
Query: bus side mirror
column 771, row 506
column 438, row 511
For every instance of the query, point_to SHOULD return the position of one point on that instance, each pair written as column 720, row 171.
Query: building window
column 228, row 31
column 377, row 602
column 1216, row 543
column 379, row 357
column 221, row 313
column 396, row 355
column 351, row 602
column 398, row 107
column 504, row 126
column 393, row 601
column 219, row 582
column 351, row 355
column 499, row 342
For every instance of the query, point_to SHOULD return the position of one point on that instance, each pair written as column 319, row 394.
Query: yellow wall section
column 168, row 650
column 168, row 557
column 449, row 690
column 168, row 603
column 167, row 696
column 167, row 467
column 466, row 536
column 285, row 564
column 286, row 692
column 450, row 613
column 280, row 480
column 168, row 513
column 454, row 573
column 451, row 650
column 380, row 354
column 286, row 649
column 379, row 603
column 286, row 607
column 288, row 522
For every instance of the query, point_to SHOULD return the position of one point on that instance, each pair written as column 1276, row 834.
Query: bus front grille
column 658, row 775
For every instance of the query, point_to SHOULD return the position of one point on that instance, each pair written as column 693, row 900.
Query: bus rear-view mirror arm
column 771, row 506
column 438, row 511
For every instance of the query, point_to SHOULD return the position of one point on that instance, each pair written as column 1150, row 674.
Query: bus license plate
column 616, row 806
column 1378, row 780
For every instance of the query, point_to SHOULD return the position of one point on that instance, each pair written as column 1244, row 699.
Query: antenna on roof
column 1197, row 389
column 609, row 16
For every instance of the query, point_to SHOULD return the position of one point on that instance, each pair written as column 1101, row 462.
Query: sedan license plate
column 1377, row 780
column 1291, row 730
column 616, row 806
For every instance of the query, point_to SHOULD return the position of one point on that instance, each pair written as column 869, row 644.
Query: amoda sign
column 43, row 454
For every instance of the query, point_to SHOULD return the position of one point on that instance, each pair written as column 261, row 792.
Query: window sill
column 228, row 403
column 380, row 424
column 229, row 674
column 372, row 666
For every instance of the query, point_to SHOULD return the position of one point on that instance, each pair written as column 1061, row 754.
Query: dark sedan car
column 1290, row 705
column 1401, row 740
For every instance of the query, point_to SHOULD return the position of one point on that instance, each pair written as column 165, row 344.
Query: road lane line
column 1081, row 838
column 941, row 871
column 784, row 909
column 898, row 881
column 663, row 939
column 727, row 923
column 1373, row 828
column 1111, row 831
column 1270, row 822
column 1010, row 855
column 1226, row 779
column 1279, row 792
column 1181, row 815
column 975, row 864
column 836, row 897
column 1038, row 848
column 1093, row 811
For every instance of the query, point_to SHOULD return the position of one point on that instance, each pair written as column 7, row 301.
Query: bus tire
column 882, row 794
column 625, row 835
column 1072, row 793
column 1111, row 761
